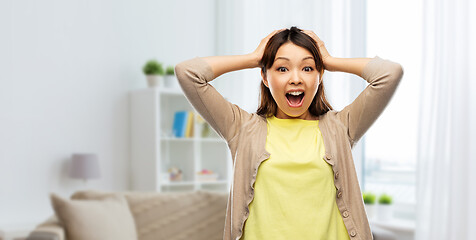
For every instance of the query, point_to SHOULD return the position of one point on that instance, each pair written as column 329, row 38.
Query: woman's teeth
column 295, row 93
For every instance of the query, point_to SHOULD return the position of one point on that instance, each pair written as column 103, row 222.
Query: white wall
column 66, row 68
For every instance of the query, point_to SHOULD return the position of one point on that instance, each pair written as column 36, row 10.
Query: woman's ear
column 265, row 80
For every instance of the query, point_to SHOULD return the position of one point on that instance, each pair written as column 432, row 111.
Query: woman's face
column 293, row 81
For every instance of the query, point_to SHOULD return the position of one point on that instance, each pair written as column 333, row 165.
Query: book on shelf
column 183, row 124
column 190, row 123
column 180, row 123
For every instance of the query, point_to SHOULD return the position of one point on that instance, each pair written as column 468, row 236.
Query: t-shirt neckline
column 292, row 121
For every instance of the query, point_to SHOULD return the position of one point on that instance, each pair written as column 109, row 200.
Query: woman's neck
column 305, row 116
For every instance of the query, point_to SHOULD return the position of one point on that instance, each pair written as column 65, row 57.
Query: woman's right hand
column 258, row 53
column 224, row 64
column 326, row 57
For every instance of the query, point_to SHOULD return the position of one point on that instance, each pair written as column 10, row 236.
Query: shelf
column 179, row 183
column 211, row 140
column 190, row 183
column 154, row 149
column 174, row 139
column 212, row 182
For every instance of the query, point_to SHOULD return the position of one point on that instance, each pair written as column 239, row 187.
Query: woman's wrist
column 348, row 65
column 253, row 59
column 224, row 64
column 329, row 63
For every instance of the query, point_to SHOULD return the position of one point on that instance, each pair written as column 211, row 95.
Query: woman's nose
column 295, row 78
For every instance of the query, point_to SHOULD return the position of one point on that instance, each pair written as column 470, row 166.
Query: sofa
column 197, row 215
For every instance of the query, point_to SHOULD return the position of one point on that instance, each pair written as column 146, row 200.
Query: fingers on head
column 274, row 32
column 279, row 30
column 310, row 33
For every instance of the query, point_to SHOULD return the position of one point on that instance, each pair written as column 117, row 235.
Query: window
column 394, row 33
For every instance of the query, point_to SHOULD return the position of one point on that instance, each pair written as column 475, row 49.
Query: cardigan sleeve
column 383, row 77
column 224, row 117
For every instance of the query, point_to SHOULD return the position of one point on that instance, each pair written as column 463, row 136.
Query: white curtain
column 446, row 185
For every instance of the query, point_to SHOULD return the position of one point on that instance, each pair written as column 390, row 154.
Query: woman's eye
column 307, row 69
column 281, row 69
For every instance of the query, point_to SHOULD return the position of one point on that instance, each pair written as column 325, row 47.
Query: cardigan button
column 337, row 175
column 339, row 194
column 328, row 156
column 345, row 214
column 353, row 233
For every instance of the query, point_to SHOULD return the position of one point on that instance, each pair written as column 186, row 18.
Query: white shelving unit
column 154, row 150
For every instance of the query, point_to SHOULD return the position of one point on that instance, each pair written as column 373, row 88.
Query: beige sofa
column 198, row 215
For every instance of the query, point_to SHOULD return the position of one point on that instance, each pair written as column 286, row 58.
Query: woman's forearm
column 348, row 65
column 224, row 64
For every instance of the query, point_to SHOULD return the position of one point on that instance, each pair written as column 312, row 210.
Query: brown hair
column 268, row 106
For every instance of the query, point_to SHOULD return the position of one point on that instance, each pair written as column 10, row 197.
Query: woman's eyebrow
column 287, row 59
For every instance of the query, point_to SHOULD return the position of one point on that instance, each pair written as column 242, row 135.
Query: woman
column 306, row 186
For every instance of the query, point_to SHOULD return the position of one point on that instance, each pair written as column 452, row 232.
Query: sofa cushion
column 174, row 215
column 107, row 218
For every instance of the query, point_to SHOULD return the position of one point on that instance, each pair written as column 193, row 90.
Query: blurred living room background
column 73, row 88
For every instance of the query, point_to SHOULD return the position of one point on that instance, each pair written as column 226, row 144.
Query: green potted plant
column 369, row 201
column 154, row 72
column 385, row 208
column 169, row 79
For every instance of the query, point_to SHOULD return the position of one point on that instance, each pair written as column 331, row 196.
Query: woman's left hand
column 322, row 48
column 258, row 53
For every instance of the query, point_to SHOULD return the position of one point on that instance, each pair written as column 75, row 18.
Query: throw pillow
column 108, row 218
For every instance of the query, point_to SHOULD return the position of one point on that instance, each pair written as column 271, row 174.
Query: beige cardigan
column 246, row 134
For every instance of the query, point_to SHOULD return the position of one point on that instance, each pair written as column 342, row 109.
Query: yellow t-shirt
column 294, row 196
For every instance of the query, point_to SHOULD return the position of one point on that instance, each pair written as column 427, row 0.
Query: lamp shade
column 84, row 166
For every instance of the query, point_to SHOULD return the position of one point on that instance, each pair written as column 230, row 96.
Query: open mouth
column 295, row 99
